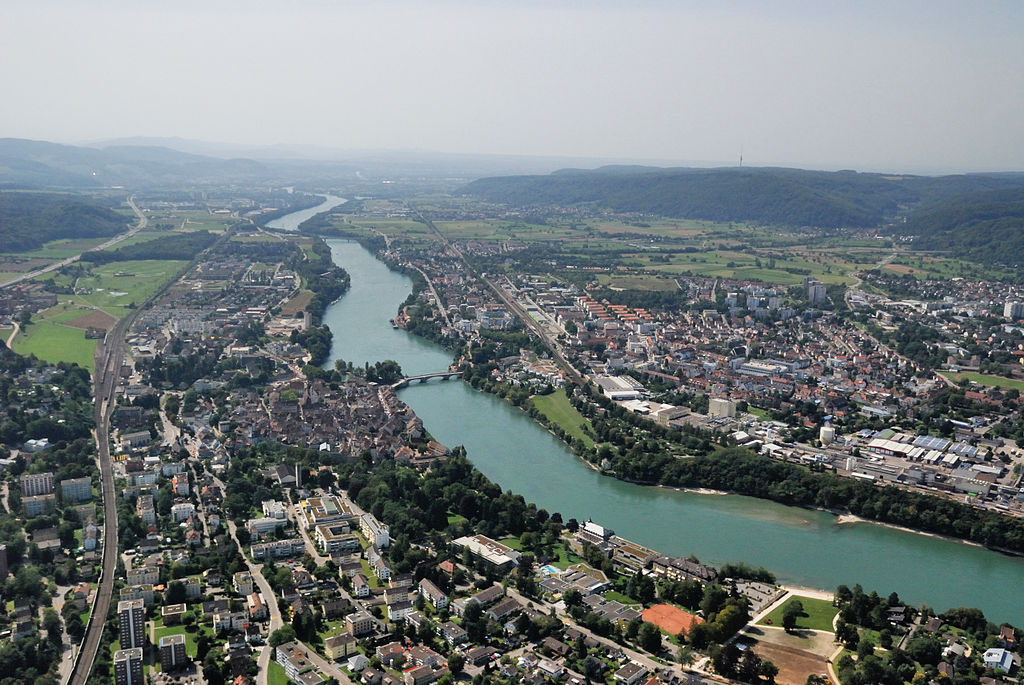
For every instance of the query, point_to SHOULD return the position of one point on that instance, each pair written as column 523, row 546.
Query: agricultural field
column 56, row 342
column 405, row 230
column 107, row 294
column 943, row 268
column 655, row 283
column 297, row 304
column 985, row 379
column 189, row 220
column 61, row 249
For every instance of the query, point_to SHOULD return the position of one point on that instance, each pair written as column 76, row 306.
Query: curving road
column 143, row 222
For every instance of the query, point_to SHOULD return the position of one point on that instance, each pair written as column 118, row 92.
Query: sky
column 905, row 85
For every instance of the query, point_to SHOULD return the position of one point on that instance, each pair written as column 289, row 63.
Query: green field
column 190, row 638
column 55, row 342
column 276, row 675
column 111, row 288
column 116, row 287
column 66, row 247
column 558, row 410
column 638, row 283
column 565, row 558
column 985, row 379
column 619, row 597
column 820, row 613
column 512, row 542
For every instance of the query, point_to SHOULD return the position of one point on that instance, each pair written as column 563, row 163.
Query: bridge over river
column 424, row 377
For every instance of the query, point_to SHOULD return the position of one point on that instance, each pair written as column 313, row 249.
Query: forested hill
column 28, row 220
column 789, row 197
column 985, row 227
column 37, row 164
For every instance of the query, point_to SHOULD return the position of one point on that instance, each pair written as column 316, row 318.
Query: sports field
column 672, row 620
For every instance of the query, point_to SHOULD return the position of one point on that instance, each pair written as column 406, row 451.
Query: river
column 807, row 548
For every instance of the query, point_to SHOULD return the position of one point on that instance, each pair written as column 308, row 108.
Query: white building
column 182, row 511
column 721, row 407
column 374, row 531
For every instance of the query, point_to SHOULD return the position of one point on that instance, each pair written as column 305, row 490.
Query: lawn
column 619, row 597
column 984, row 379
column 558, row 410
column 456, row 519
column 276, row 674
column 820, row 613
column 512, row 542
column 565, row 558
column 371, row 577
column 332, row 629
column 190, row 638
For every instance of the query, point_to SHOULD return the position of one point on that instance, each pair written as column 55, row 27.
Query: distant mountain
column 151, row 162
column 34, row 163
column 28, row 220
column 983, row 226
column 774, row 196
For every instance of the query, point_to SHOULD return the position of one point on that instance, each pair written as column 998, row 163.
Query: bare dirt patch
column 900, row 269
column 21, row 265
column 794, row 664
column 94, row 319
column 297, row 304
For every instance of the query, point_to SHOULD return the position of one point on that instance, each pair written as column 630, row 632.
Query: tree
column 648, row 638
column 281, row 635
column 213, row 667
column 793, row 610
column 51, row 622
column 456, row 662
column 175, row 593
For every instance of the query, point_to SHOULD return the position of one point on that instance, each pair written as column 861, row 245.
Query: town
column 280, row 521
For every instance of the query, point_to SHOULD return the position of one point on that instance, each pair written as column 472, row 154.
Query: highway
column 142, row 223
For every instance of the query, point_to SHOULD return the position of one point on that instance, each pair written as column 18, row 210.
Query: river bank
column 802, row 547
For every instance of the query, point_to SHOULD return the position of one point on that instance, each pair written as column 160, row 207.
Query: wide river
column 801, row 547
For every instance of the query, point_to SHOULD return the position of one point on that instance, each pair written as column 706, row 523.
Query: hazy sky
column 898, row 85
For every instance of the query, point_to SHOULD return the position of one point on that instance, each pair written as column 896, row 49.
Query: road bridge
column 424, row 377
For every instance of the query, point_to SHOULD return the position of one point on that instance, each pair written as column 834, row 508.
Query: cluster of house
column 1001, row 657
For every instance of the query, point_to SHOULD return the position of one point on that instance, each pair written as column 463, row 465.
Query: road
column 688, row 676
column 269, row 598
column 142, row 223
column 437, row 299
column 13, row 335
